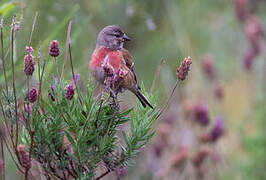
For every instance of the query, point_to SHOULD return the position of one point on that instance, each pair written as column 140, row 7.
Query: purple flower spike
column 29, row 65
column 217, row 130
column 54, row 48
column 69, row 92
column 33, row 95
column 201, row 114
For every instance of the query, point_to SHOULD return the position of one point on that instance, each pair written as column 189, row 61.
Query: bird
column 111, row 59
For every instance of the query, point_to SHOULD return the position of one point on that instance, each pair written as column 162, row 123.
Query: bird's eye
column 116, row 35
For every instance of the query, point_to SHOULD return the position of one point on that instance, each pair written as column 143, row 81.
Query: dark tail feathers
column 144, row 101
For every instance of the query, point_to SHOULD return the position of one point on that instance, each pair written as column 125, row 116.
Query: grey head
column 112, row 37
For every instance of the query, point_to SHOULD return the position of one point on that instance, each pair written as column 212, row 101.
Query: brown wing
column 128, row 58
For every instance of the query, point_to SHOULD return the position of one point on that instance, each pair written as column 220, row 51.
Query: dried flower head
column 241, row 9
column 54, row 49
column 254, row 33
column 219, row 91
column 200, row 156
column 69, row 94
column 33, row 95
column 205, row 137
column 217, row 130
column 23, row 156
column 249, row 58
column 208, row 66
column 179, row 157
column 201, row 114
column 29, row 65
column 158, row 149
column 184, row 68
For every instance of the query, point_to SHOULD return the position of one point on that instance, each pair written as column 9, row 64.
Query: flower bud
column 217, row 130
column 200, row 114
column 254, row 33
column 184, row 68
column 28, row 65
column 200, row 156
column 69, row 92
column 241, row 9
column 249, row 58
column 33, row 94
column 54, row 49
column 208, row 66
column 218, row 91
column 158, row 150
column 23, row 156
column 179, row 157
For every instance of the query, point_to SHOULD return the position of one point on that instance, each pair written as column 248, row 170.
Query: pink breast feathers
column 114, row 59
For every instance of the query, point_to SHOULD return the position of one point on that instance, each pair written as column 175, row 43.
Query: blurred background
column 215, row 125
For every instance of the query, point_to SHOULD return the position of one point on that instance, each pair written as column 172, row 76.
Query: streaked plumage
column 109, row 52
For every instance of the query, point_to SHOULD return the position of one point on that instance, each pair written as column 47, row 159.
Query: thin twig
column 168, row 100
column 156, row 75
column 59, row 107
column 33, row 26
column 39, row 71
column 30, row 153
column 71, row 63
column 12, row 157
column 88, row 117
column 6, row 124
column 56, row 67
column 3, row 159
column 99, row 110
column 13, row 75
column 3, row 57
column 67, row 47
column 40, row 86
column 73, row 74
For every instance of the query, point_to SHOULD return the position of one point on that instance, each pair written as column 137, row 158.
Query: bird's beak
column 126, row 38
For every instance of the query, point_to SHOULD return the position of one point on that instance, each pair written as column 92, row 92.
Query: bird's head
column 112, row 37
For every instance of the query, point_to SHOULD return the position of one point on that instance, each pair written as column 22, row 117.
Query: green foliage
column 73, row 137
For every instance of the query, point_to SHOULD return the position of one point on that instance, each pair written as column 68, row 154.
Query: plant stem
column 3, row 57
column 3, row 159
column 33, row 26
column 73, row 74
column 13, row 75
column 56, row 67
column 12, row 157
column 99, row 110
column 28, row 90
column 67, row 47
column 168, row 100
column 156, row 75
